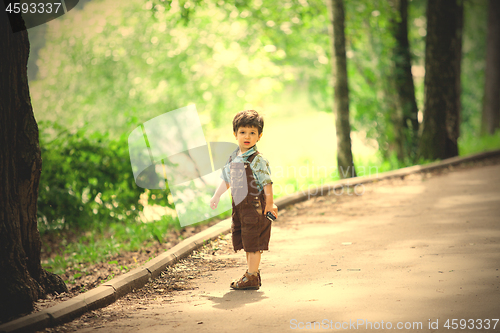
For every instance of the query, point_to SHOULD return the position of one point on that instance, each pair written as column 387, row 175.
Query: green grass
column 101, row 243
column 469, row 144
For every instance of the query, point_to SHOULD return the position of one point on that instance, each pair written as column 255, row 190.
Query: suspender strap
column 251, row 157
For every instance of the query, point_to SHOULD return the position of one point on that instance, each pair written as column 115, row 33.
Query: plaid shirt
column 259, row 166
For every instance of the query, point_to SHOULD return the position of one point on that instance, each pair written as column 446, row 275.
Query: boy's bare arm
column 270, row 206
column 223, row 186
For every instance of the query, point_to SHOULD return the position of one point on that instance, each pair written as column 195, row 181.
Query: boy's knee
column 255, row 252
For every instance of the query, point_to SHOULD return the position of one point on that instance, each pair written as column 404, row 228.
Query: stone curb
column 31, row 323
column 123, row 284
column 157, row 265
column 66, row 311
column 98, row 297
column 117, row 287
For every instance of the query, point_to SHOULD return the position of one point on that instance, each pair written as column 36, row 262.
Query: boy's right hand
column 214, row 201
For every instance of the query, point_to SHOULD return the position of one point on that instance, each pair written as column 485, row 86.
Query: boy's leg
column 253, row 261
column 251, row 279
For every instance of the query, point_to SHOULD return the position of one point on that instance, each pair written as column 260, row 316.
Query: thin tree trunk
column 442, row 79
column 491, row 107
column 454, row 118
column 341, row 89
column 406, row 123
column 22, row 279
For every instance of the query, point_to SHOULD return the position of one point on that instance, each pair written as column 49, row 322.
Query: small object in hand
column 270, row 216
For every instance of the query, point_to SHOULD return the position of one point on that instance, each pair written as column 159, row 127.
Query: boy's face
column 247, row 137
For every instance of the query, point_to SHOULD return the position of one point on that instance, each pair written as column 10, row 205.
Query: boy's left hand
column 214, row 201
column 273, row 210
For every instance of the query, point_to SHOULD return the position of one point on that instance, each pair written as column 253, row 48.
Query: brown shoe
column 246, row 282
column 258, row 274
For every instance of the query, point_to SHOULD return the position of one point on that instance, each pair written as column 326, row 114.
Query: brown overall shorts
column 251, row 230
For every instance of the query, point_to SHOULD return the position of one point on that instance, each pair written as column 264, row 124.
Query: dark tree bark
column 406, row 120
column 443, row 49
column 22, row 279
column 491, row 107
column 341, row 90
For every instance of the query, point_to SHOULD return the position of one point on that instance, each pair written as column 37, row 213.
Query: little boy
column 247, row 173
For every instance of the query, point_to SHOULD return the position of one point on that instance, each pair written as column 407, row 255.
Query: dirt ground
column 90, row 276
column 425, row 248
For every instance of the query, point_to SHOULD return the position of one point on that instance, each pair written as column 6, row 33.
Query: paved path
column 409, row 253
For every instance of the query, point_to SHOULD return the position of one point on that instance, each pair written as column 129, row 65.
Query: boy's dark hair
column 248, row 118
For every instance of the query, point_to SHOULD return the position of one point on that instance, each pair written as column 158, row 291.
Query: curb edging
column 116, row 288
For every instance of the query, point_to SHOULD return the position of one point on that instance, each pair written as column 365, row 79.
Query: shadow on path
column 235, row 299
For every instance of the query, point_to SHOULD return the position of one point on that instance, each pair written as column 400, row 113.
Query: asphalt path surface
column 417, row 254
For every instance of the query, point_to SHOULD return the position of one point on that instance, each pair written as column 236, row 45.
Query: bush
column 86, row 180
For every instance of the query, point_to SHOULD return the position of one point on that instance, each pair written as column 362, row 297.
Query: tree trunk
column 491, row 107
column 341, row 89
column 406, row 123
column 22, row 279
column 443, row 49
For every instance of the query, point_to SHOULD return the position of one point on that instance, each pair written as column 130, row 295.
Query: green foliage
column 469, row 144
column 473, row 66
column 106, row 64
column 369, row 53
column 86, row 179
column 296, row 35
